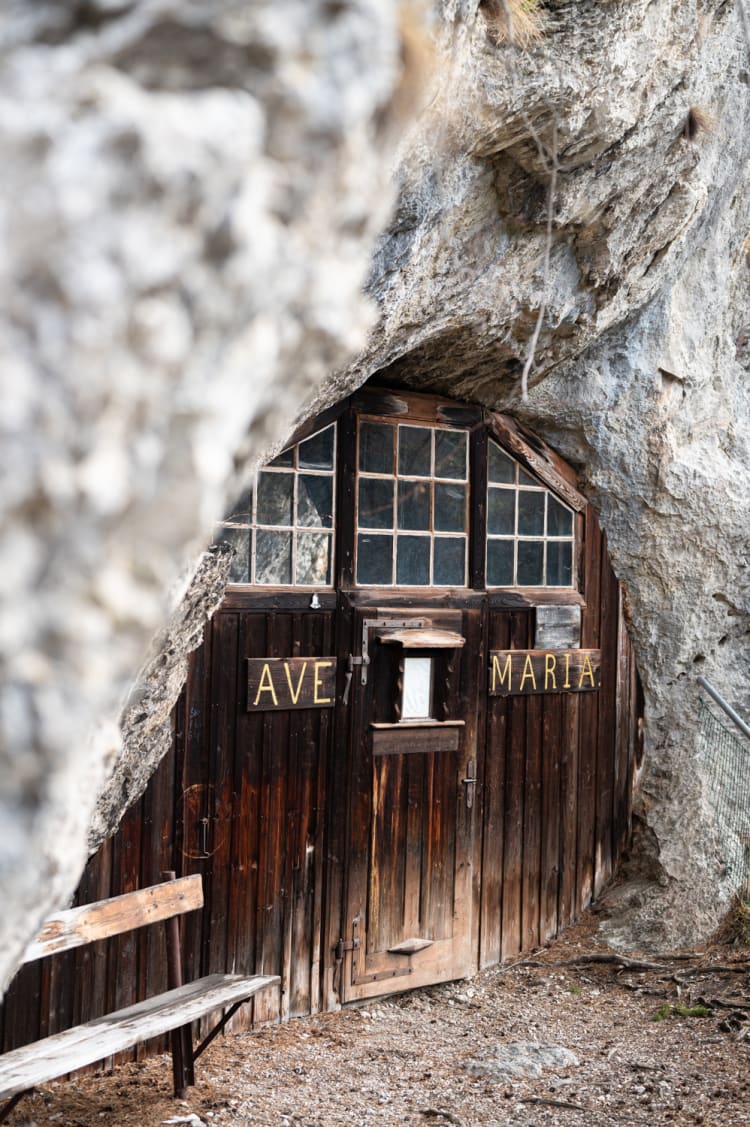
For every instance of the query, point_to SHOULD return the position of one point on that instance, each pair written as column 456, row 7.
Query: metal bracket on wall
column 386, row 624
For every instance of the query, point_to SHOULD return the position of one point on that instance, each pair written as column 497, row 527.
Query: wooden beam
column 537, row 457
column 76, row 926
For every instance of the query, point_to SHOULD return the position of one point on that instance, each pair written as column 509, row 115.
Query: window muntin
column 282, row 527
column 530, row 532
column 412, row 505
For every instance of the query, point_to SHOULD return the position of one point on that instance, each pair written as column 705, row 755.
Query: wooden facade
column 349, row 850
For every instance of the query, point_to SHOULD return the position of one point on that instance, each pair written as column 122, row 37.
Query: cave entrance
column 406, row 746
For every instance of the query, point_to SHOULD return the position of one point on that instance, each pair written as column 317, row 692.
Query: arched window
column 530, row 533
column 282, row 527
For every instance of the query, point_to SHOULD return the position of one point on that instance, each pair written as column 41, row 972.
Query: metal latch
column 345, row 945
column 351, row 661
column 470, row 782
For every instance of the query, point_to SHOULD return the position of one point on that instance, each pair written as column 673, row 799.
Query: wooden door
column 407, row 917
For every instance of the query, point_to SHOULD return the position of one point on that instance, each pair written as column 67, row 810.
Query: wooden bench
column 172, row 1012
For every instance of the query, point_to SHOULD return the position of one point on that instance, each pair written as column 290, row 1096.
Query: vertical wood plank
column 513, row 812
column 607, row 723
column 498, row 713
column 589, row 720
column 551, row 811
column 532, row 835
column 567, row 907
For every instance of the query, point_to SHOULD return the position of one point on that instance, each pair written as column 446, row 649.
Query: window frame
column 252, row 526
column 432, row 535
column 412, row 409
column 519, row 487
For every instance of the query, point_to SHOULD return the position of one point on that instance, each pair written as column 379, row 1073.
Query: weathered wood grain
column 76, row 926
column 75, row 1048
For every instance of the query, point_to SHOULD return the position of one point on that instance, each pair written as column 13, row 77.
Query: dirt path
column 406, row 1061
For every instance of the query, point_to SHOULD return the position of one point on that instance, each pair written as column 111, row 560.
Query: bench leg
column 8, row 1108
column 183, row 1070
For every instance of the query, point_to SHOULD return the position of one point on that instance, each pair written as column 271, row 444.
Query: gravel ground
column 430, row 1057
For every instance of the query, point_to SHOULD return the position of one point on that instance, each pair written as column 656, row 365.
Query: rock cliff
column 191, row 195
column 584, row 221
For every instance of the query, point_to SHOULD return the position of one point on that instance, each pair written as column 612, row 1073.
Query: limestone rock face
column 189, row 196
column 601, row 176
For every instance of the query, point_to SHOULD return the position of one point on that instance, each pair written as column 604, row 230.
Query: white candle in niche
column 416, row 702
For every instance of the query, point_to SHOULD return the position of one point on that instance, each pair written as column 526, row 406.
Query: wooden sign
column 529, row 672
column 277, row 683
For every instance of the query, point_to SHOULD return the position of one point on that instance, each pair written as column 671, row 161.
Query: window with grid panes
column 282, row 528
column 412, row 505
column 530, row 533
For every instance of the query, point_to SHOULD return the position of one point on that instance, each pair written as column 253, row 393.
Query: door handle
column 470, row 783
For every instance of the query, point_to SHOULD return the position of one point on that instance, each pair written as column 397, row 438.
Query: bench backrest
column 75, row 927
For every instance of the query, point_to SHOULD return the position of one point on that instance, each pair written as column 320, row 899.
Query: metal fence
column 726, row 752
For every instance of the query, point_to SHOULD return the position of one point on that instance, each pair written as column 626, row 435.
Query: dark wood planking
column 513, row 812
column 532, row 828
column 225, row 702
column 552, row 751
column 567, row 906
column 589, row 721
column 607, row 725
column 326, row 734
column 498, row 712
column 270, row 907
column 358, row 808
column 193, row 791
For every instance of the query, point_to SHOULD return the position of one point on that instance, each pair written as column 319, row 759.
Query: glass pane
column 375, row 503
column 530, row 514
column 376, row 447
column 450, row 508
column 414, row 451
column 316, row 453
column 449, row 569
column 273, row 557
column 275, row 498
column 450, row 454
column 416, row 699
column 559, row 519
column 313, row 558
column 375, row 560
column 242, row 510
column 502, row 469
column 413, row 561
column 559, row 564
column 414, row 504
column 239, row 538
column 530, row 562
column 286, row 458
column 525, row 479
column 501, row 511
column 500, row 563
column 314, row 501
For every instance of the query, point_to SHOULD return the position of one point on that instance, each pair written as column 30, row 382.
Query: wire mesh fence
column 727, row 757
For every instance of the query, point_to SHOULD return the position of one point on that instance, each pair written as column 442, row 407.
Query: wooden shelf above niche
column 422, row 639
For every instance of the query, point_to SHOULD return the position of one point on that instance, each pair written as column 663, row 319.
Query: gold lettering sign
column 529, row 672
column 277, row 683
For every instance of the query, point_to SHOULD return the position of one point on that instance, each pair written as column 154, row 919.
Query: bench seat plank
column 65, row 1052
